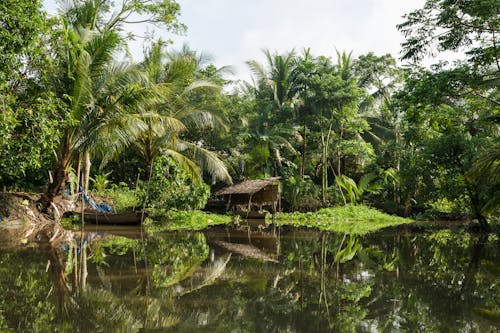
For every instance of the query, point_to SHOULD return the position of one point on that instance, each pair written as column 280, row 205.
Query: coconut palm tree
column 274, row 85
column 277, row 79
column 86, row 54
column 97, row 93
column 167, row 121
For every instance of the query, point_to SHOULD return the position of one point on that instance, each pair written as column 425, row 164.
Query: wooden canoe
column 125, row 218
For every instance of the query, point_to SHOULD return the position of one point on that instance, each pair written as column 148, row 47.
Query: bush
column 301, row 195
column 172, row 187
column 122, row 197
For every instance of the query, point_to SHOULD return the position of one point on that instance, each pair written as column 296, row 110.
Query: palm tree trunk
column 78, row 173
column 277, row 161
column 86, row 176
column 56, row 187
column 324, row 161
column 148, row 154
column 304, row 148
column 324, row 170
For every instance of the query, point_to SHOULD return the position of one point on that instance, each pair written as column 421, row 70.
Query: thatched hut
column 252, row 193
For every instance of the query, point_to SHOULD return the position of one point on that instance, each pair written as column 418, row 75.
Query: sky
column 235, row 31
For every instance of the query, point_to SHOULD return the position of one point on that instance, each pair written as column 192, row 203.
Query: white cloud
column 234, row 31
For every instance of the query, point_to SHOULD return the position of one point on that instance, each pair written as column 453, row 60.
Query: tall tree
column 273, row 119
column 28, row 108
column 173, row 76
column 454, row 25
column 448, row 106
column 92, row 33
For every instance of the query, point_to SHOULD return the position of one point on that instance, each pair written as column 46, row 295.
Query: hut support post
column 249, row 204
column 228, row 203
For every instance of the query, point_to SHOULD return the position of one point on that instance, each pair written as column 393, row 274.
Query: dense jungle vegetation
column 337, row 128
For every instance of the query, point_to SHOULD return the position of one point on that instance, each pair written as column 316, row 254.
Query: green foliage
column 29, row 110
column 28, row 136
column 347, row 219
column 21, row 23
column 172, row 187
column 319, row 122
column 356, row 192
column 302, row 194
column 485, row 170
column 122, row 197
column 453, row 26
column 445, row 135
column 100, row 182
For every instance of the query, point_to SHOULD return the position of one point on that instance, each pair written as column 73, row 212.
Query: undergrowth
column 349, row 219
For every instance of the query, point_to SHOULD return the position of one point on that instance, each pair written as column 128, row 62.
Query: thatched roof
column 248, row 186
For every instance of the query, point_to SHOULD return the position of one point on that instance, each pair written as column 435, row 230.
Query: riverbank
column 346, row 219
column 21, row 222
column 350, row 219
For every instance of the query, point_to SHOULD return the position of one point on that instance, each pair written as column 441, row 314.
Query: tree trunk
column 339, row 152
column 324, row 170
column 324, row 160
column 148, row 155
column 56, row 187
column 277, row 161
column 304, row 148
column 86, row 176
column 476, row 206
column 78, row 173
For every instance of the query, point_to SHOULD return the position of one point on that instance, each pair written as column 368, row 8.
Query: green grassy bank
column 346, row 219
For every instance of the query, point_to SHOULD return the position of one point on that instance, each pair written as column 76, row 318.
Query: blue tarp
column 102, row 207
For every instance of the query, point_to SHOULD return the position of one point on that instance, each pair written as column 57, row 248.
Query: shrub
column 172, row 187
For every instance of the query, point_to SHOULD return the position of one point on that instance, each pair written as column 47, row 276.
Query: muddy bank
column 21, row 222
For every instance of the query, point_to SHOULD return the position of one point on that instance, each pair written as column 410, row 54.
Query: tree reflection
column 435, row 282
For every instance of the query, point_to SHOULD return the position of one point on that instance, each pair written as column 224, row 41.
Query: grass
column 189, row 220
column 349, row 219
column 121, row 196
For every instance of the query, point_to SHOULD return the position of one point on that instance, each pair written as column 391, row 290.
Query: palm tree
column 268, row 144
column 380, row 77
column 167, row 121
column 86, row 55
column 274, row 85
column 277, row 79
column 98, row 94
column 486, row 170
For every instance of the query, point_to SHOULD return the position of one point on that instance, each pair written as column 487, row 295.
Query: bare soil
column 21, row 223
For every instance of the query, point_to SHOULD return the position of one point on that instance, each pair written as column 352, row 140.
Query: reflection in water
column 245, row 280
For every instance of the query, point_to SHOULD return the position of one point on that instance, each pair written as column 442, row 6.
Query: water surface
column 253, row 280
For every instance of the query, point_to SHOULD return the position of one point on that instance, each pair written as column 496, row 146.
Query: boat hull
column 127, row 218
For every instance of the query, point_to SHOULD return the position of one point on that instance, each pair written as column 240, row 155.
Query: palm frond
column 206, row 159
column 257, row 70
column 185, row 163
column 162, row 124
column 201, row 84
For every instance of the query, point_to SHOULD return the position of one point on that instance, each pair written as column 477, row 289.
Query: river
column 250, row 279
